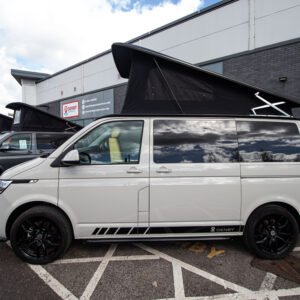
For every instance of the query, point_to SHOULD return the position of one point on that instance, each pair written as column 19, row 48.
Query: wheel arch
column 19, row 210
column 287, row 206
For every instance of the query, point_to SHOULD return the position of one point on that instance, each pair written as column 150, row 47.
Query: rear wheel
column 271, row 232
column 40, row 235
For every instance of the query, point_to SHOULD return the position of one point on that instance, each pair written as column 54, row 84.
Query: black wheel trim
column 38, row 238
column 274, row 234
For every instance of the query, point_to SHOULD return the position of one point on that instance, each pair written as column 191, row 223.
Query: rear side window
column 47, row 141
column 268, row 141
column 195, row 141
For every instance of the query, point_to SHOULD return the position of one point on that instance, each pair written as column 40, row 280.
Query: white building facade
column 254, row 41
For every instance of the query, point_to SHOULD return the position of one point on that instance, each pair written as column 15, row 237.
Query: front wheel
column 271, row 232
column 40, row 235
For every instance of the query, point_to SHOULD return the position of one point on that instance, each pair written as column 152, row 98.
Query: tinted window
column 47, row 141
column 268, row 141
column 114, row 142
column 195, row 141
column 18, row 142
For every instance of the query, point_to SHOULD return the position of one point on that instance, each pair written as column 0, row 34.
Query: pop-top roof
column 31, row 118
column 160, row 84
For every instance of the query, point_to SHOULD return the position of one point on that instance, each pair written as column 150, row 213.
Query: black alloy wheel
column 40, row 235
column 271, row 232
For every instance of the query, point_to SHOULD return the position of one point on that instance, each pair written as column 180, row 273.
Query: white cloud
column 9, row 88
column 49, row 35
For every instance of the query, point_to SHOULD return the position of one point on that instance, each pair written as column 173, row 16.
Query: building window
column 215, row 67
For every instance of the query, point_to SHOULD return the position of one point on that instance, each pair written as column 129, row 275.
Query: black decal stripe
column 124, row 230
column 95, row 231
column 112, row 230
column 102, row 231
column 166, row 230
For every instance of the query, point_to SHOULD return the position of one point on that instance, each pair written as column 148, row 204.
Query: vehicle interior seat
column 114, row 146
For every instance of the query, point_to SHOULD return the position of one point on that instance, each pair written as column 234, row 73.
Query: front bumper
column 2, row 239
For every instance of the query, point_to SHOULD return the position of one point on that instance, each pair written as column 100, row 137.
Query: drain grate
column 288, row 268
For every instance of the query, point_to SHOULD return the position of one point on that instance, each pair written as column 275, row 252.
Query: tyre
column 271, row 232
column 40, row 235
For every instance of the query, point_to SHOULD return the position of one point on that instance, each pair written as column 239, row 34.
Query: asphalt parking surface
column 183, row 270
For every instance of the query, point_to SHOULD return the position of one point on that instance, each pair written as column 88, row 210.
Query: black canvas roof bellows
column 5, row 123
column 31, row 118
column 162, row 85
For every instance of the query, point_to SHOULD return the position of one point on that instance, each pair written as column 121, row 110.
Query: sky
column 49, row 35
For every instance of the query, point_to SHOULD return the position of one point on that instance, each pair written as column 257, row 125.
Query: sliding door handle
column 163, row 170
column 134, row 170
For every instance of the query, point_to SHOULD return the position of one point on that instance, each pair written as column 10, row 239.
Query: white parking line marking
column 265, row 292
column 178, row 281
column 55, row 285
column 100, row 258
column 89, row 290
column 296, row 249
column 226, row 284
column 134, row 257
column 259, row 295
column 77, row 260
column 268, row 282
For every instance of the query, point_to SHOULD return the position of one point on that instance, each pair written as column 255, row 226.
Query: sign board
column 70, row 109
column 89, row 106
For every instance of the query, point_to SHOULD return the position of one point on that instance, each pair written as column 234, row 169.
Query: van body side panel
column 105, row 195
column 270, row 170
column 195, row 198
column 269, row 151
column 17, row 194
column 260, row 191
column 193, row 192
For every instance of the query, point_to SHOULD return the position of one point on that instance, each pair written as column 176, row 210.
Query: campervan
column 158, row 177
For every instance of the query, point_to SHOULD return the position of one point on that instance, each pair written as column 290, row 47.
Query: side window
column 48, row 141
column 112, row 143
column 18, row 142
column 268, row 141
column 195, row 141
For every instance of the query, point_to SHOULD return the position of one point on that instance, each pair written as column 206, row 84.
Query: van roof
column 260, row 117
column 160, row 84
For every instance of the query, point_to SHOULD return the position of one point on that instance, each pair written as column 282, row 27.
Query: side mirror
column 71, row 158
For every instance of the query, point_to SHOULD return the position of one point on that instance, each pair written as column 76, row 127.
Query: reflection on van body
column 193, row 141
column 268, row 141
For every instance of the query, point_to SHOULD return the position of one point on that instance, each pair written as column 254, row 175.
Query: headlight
column 4, row 184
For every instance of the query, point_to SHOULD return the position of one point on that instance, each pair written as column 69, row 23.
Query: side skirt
column 155, row 239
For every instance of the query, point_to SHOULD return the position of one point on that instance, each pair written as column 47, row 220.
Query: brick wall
column 263, row 69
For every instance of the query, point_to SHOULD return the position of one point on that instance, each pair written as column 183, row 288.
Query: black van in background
column 18, row 147
column 33, row 133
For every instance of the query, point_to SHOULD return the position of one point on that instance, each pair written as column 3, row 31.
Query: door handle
column 134, row 170
column 163, row 170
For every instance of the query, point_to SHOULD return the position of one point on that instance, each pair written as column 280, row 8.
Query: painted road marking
column 296, row 249
column 98, row 259
column 89, row 290
column 214, row 252
column 242, row 293
column 268, row 282
column 178, row 281
column 200, row 247
column 197, row 247
column 226, row 284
